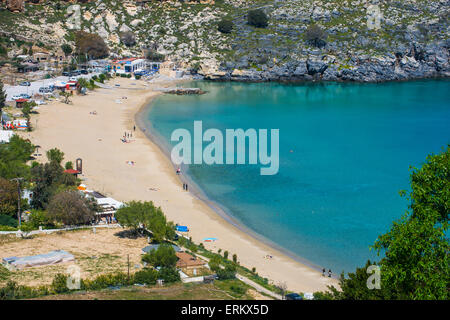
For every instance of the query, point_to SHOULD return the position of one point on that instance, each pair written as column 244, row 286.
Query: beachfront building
column 129, row 65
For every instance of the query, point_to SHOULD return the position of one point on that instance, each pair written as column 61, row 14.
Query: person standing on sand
column 323, row 272
column 329, row 273
column 134, row 128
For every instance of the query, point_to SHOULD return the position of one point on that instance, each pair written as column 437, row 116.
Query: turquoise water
column 345, row 152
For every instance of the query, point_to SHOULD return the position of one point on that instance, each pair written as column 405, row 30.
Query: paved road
column 35, row 85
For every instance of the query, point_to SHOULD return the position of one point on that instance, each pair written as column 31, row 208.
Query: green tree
column 229, row 272
column 145, row 215
column 164, row 256
column 8, row 197
column 91, row 44
column 257, row 18
column 225, row 25
column 67, row 49
column 315, row 36
column 70, row 208
column 169, row 275
column 55, row 155
column 13, row 158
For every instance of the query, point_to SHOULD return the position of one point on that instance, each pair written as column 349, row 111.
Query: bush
column 8, row 221
column 104, row 281
column 59, row 284
column 137, row 77
column 169, row 275
column 70, row 208
column 164, row 256
column 225, row 26
column 258, row 18
column 129, row 76
column 228, row 273
column 315, row 36
column 146, row 276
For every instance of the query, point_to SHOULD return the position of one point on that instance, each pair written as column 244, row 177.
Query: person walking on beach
column 329, row 273
column 323, row 272
column 134, row 128
column 186, row 187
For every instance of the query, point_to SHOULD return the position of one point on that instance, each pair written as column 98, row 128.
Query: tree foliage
column 71, row 208
column 13, row 158
column 315, row 36
column 137, row 214
column 91, row 44
column 67, row 49
column 257, row 18
column 8, row 197
column 225, row 25
column 164, row 256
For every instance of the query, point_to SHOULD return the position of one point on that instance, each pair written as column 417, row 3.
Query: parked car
column 40, row 102
column 25, row 84
column 76, row 73
column 73, row 79
column 25, row 96
column 293, row 296
column 84, row 72
column 66, row 74
column 45, row 90
column 15, row 97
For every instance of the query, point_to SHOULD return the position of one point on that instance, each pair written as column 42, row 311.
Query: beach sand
column 97, row 140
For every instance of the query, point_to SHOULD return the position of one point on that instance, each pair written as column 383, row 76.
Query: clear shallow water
column 352, row 145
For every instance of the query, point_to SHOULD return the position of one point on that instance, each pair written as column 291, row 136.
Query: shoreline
column 200, row 194
column 131, row 182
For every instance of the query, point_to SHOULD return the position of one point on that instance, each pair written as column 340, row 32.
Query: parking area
column 35, row 85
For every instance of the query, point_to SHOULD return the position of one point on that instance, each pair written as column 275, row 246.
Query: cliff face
column 364, row 40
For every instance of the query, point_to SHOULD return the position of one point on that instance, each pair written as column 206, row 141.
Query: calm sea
column 345, row 152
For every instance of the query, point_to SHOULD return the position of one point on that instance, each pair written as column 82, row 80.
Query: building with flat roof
column 129, row 65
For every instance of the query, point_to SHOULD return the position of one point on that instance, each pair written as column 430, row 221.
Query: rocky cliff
column 369, row 40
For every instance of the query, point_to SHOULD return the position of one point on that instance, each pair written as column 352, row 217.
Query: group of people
column 329, row 272
column 185, row 186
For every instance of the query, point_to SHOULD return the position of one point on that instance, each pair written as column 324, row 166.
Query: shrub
column 137, row 77
column 9, row 221
column 164, row 256
column 315, row 36
column 169, row 275
column 257, row 18
column 104, row 281
column 146, row 276
column 228, row 273
column 128, row 76
column 225, row 26
column 8, row 197
column 102, row 77
column 70, row 208
column 59, row 284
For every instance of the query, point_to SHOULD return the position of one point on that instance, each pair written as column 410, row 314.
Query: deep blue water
column 345, row 152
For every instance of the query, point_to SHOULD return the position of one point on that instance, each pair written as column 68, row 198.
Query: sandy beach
column 97, row 140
